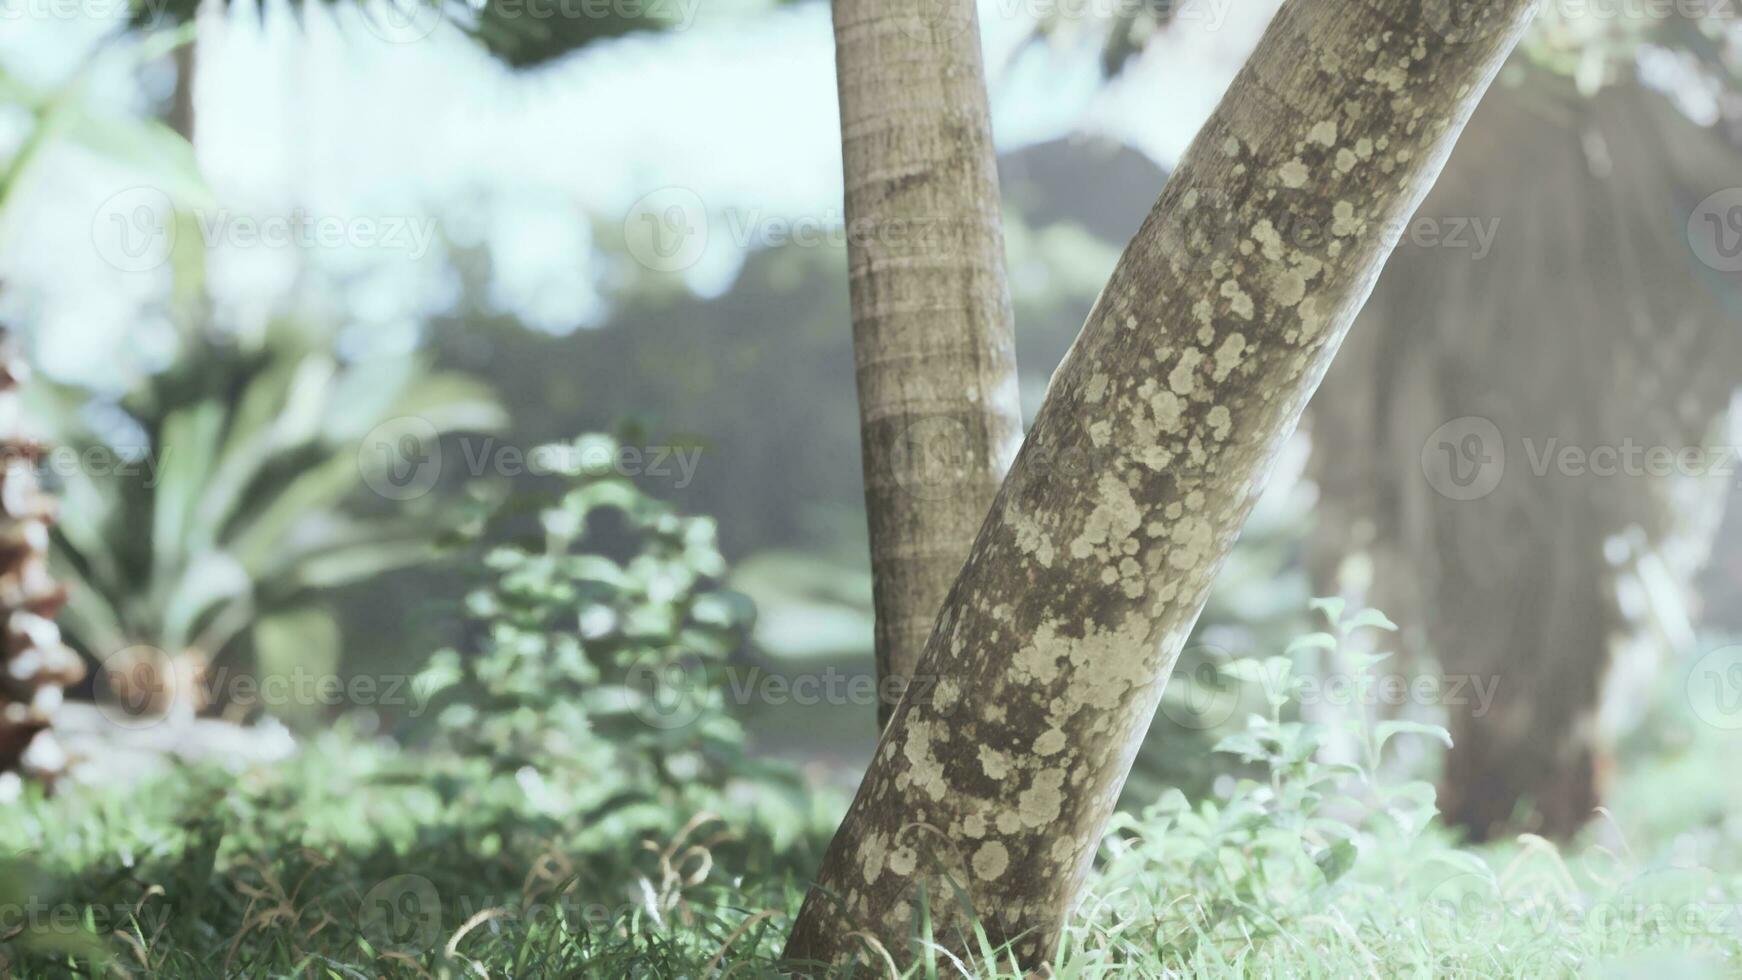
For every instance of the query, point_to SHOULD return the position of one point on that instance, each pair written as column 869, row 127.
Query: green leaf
column 1369, row 618
column 1383, row 731
column 1312, row 641
column 147, row 146
column 1337, row 860
column 186, row 451
column 1331, row 606
column 212, row 578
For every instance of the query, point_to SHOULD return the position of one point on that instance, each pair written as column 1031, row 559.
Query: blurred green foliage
column 599, row 682
column 221, row 498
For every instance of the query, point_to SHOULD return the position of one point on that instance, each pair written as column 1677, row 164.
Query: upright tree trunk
column 932, row 336
column 1152, row 445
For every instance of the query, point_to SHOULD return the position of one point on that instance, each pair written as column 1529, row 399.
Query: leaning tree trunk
column 1148, row 453
column 932, row 337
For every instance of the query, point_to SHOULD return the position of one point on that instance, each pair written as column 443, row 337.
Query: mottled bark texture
column 1148, row 453
column 932, row 336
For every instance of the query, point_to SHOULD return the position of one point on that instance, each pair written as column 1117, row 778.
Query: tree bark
column 1148, row 453
column 932, row 335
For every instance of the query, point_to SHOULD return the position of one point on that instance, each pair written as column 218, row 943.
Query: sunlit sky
column 316, row 114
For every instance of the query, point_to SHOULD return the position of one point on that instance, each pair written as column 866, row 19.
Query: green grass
column 361, row 858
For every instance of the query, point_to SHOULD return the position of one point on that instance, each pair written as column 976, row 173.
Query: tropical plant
column 215, row 503
column 599, row 682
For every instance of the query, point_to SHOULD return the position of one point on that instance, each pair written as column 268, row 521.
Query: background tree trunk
column 932, row 336
column 1149, row 451
column 1516, row 579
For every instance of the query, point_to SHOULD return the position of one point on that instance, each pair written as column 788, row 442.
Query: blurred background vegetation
column 308, row 454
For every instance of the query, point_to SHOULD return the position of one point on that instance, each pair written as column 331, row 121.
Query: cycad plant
column 226, row 494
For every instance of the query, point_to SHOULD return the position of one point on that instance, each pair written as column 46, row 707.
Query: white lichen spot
column 1191, row 542
column 1287, row 287
column 1229, row 354
column 995, row 764
column 924, row 769
column 1183, row 378
column 991, row 860
column 871, row 857
column 1009, row 823
column 1346, row 160
column 1220, row 422
column 974, row 825
column 946, row 694
column 1231, row 146
column 1040, row 803
column 1311, row 320
column 1064, row 850
column 1343, row 220
column 1096, row 389
column 1032, row 539
column 1039, row 659
column 1238, row 300
column 1266, row 235
column 1168, row 409
column 1364, row 148
column 1293, row 173
column 1324, row 133
column 1115, row 516
column 1050, row 742
column 1100, row 432
column 903, row 860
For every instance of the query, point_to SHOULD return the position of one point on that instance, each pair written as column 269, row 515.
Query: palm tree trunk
column 932, row 335
column 1148, row 453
